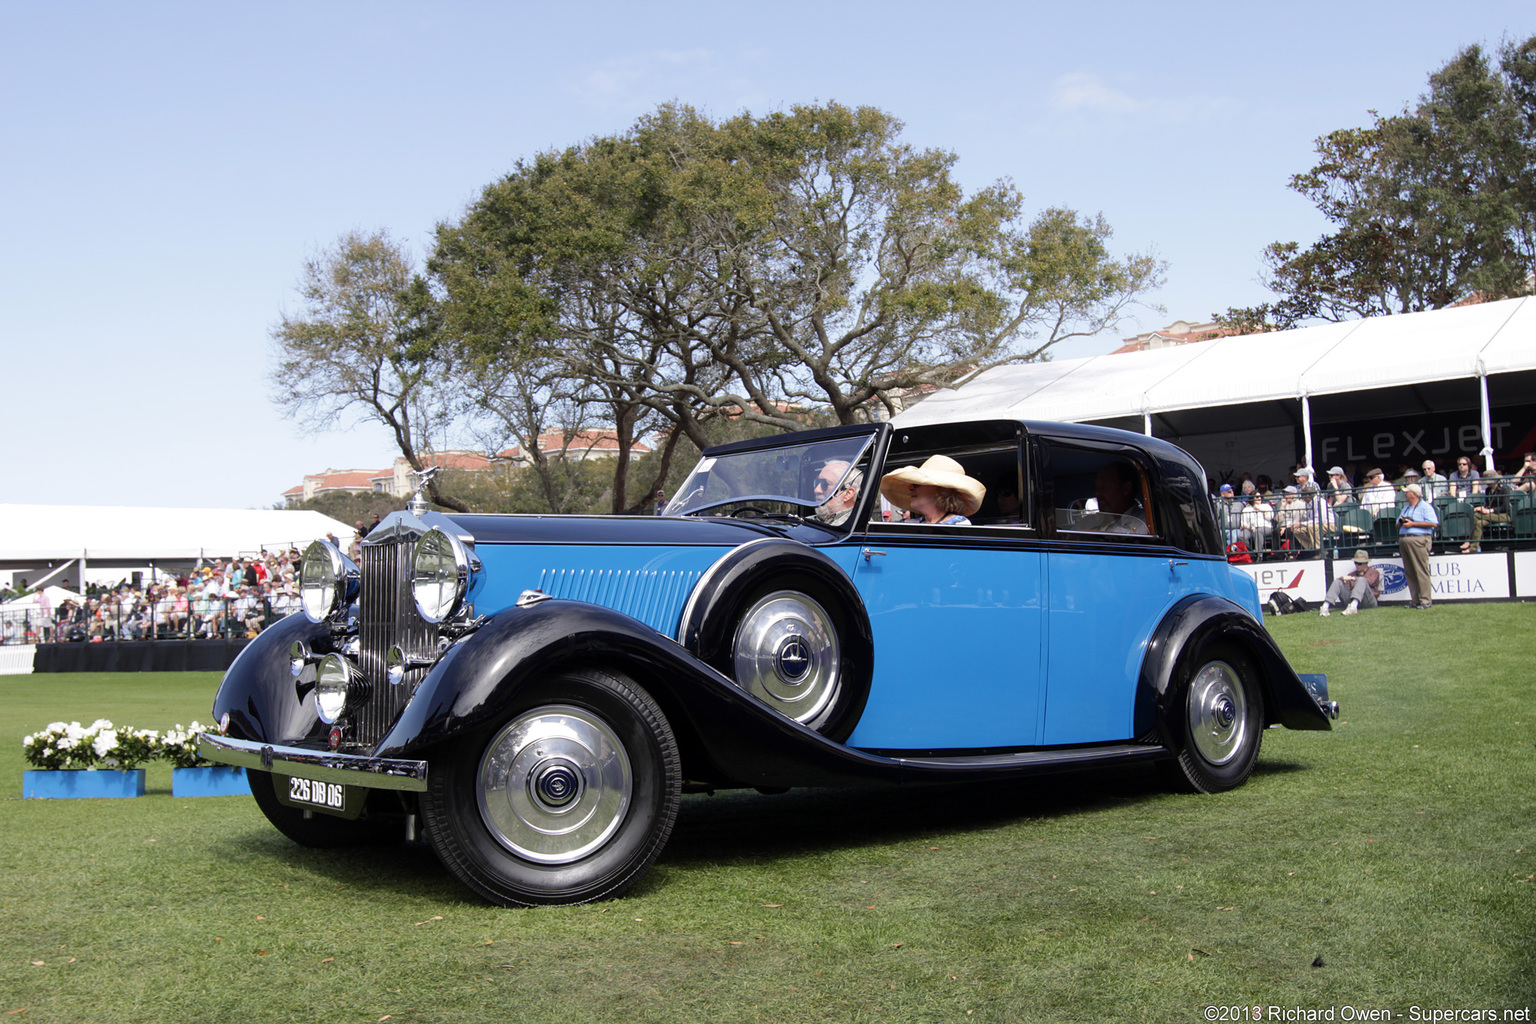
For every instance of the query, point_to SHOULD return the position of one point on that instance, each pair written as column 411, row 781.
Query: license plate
column 321, row 796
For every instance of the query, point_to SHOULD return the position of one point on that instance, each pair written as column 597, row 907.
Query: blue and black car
column 531, row 694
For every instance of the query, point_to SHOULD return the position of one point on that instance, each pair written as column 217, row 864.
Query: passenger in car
column 938, row 491
column 1119, row 509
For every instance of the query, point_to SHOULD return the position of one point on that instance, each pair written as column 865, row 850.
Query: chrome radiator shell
column 386, row 617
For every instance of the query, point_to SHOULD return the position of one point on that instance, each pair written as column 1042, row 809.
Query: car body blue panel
column 645, row 582
column 1103, row 610
column 958, row 641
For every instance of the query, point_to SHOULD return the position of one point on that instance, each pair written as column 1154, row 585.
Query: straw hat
column 940, row 471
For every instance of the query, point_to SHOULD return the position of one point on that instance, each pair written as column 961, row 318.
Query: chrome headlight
column 325, row 578
column 338, row 686
column 440, row 575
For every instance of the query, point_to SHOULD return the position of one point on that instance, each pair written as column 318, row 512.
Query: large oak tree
column 1429, row 206
column 685, row 271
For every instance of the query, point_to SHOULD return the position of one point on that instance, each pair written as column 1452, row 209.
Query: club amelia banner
column 1452, row 577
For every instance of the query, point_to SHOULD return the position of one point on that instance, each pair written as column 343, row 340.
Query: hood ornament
column 422, row 477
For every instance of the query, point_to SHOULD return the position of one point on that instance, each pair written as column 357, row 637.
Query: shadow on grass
column 747, row 825
column 738, row 823
column 395, row 868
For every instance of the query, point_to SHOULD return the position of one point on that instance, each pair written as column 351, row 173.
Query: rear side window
column 1098, row 493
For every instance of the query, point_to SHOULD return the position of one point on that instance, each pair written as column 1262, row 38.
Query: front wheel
column 1223, row 721
column 567, row 799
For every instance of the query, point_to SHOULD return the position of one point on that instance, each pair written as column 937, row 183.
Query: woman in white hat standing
column 938, row 491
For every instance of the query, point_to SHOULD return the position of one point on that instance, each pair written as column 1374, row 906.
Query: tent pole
column 1487, row 452
column 1306, row 433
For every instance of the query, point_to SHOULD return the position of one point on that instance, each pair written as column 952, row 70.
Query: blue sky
column 168, row 167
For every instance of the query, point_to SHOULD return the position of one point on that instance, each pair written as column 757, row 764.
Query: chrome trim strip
column 318, row 765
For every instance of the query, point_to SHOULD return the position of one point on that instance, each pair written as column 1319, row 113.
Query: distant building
column 1180, row 332
column 396, row 480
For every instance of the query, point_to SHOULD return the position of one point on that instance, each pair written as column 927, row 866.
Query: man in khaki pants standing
column 1416, row 532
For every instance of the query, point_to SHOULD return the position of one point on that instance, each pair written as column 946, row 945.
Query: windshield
column 823, row 478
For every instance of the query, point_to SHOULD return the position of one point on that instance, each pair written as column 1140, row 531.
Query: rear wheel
column 568, row 798
column 1223, row 720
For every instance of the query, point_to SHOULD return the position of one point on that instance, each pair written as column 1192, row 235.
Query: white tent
column 49, row 596
column 1461, row 346
column 34, row 537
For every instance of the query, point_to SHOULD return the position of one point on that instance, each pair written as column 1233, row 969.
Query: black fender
column 1190, row 625
column 707, row 625
column 259, row 693
column 727, row 735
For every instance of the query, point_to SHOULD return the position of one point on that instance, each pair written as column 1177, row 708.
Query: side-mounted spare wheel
column 1223, row 718
column 787, row 652
column 567, row 798
column 784, row 622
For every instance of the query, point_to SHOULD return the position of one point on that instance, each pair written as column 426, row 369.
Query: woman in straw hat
column 938, row 491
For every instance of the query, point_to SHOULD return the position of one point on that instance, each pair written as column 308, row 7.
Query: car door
column 1111, row 577
column 957, row 614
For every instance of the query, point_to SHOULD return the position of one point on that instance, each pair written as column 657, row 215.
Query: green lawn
column 1388, row 864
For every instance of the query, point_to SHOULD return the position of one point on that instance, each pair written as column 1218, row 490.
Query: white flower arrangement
column 98, row 745
column 179, row 746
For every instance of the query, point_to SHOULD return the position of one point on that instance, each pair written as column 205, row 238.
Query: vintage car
column 533, row 693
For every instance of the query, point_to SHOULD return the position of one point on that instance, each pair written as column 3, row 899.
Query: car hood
column 656, row 530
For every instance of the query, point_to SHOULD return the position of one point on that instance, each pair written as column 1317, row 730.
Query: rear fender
column 1196, row 622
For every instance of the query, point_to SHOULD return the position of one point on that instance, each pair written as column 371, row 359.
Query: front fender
column 1200, row 620
column 259, row 693
column 742, row 740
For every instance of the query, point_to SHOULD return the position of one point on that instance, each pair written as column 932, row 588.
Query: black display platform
column 138, row 656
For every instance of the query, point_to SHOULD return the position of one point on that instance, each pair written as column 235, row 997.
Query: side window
column 990, row 471
column 1099, row 493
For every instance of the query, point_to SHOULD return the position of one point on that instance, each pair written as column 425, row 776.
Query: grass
column 1396, row 854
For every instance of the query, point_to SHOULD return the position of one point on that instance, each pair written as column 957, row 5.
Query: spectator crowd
column 222, row 599
column 1265, row 519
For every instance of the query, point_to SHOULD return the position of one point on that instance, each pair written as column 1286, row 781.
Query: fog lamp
column 338, row 686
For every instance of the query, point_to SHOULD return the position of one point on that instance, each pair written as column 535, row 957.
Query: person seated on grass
column 1359, row 589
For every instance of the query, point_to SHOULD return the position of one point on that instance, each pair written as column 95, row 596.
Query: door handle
column 869, row 553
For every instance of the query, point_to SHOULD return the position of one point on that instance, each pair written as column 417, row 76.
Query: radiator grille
column 387, row 616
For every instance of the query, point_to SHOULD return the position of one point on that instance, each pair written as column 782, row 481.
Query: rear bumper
column 1317, row 686
column 321, row 766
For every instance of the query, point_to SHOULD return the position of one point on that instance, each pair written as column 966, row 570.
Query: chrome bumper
column 321, row 766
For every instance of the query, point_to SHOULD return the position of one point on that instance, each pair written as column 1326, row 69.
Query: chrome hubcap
column 554, row 784
column 786, row 654
column 1218, row 718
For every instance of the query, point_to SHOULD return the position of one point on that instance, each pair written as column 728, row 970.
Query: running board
column 1032, row 760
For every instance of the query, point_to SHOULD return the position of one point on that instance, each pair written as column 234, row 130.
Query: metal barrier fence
column 1491, row 513
column 109, row 619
